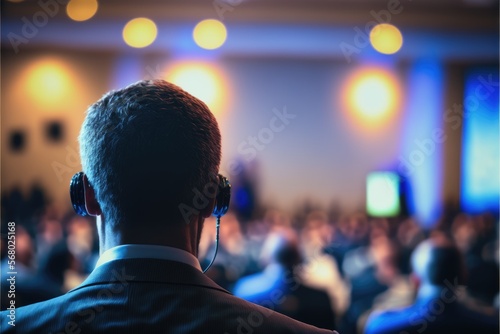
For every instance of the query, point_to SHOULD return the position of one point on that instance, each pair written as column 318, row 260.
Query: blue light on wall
column 420, row 161
column 480, row 142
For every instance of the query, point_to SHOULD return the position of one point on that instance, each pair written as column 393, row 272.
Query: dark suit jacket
column 432, row 316
column 149, row 296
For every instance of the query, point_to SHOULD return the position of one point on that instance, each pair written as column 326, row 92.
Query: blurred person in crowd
column 277, row 220
column 14, row 205
column 29, row 286
column 438, row 269
column 279, row 286
column 352, row 233
column 80, row 243
column 478, row 238
column 67, row 254
column 256, row 232
column 49, row 233
column 400, row 291
column 319, row 270
column 465, row 234
column 358, row 260
column 24, row 209
column 483, row 282
column 56, row 262
column 36, row 201
column 367, row 276
column 408, row 235
column 316, row 233
column 487, row 233
column 145, row 149
column 474, row 235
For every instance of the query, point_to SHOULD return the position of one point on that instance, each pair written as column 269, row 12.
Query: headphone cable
column 217, row 226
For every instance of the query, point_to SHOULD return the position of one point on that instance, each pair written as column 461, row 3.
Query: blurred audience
column 438, row 270
column 29, row 286
column 279, row 286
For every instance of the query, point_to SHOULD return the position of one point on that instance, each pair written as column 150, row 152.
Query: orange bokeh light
column 372, row 97
column 203, row 80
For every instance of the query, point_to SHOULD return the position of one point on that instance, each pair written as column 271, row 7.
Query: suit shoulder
column 34, row 317
column 249, row 317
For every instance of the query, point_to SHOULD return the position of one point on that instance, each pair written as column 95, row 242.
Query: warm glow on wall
column 48, row 81
column 210, row 34
column 81, row 10
column 140, row 32
column 372, row 97
column 202, row 80
column 386, row 38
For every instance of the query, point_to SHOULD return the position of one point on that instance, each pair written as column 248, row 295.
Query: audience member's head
column 409, row 233
column 231, row 235
column 277, row 220
column 282, row 248
column 354, row 227
column 25, row 250
column 385, row 255
column 146, row 149
column 464, row 232
column 379, row 228
column 55, row 264
column 436, row 261
column 317, row 230
column 50, row 231
column 80, row 242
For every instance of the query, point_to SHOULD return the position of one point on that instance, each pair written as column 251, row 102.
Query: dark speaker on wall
column 17, row 140
column 54, row 131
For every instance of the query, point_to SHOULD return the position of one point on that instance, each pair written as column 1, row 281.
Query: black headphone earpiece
column 223, row 197
column 77, row 195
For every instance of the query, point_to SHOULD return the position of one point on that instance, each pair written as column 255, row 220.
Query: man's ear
column 207, row 211
column 91, row 204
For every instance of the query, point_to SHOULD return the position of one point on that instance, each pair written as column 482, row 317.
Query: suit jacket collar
column 126, row 271
column 141, row 251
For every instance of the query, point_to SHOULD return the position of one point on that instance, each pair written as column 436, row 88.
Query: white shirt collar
column 135, row 251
